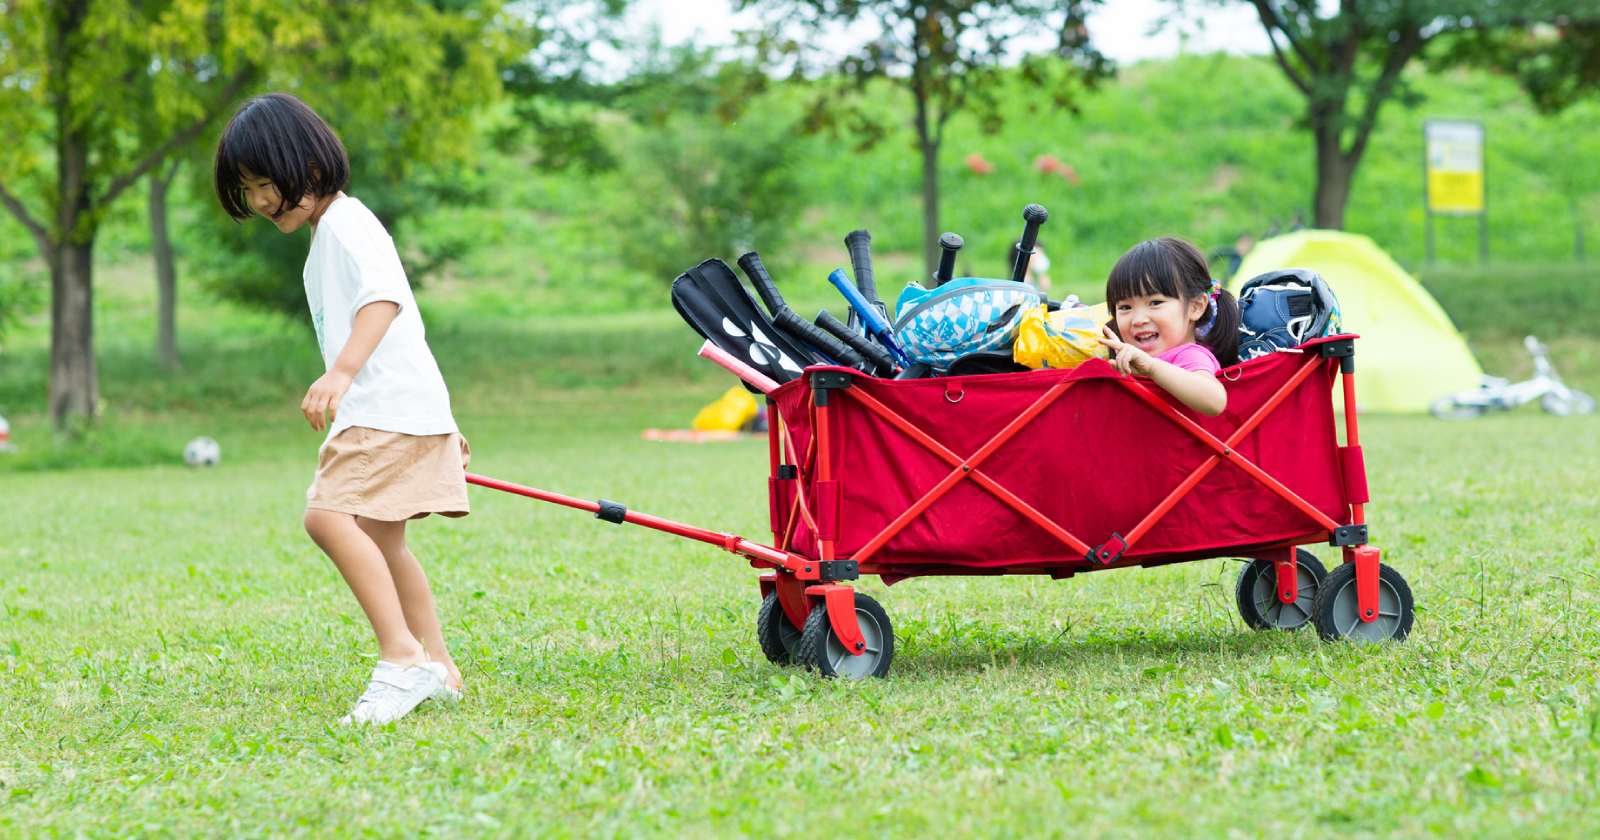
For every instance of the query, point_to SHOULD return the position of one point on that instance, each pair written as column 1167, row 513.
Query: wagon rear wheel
column 1339, row 617
column 821, row 649
column 1257, row 593
column 779, row 637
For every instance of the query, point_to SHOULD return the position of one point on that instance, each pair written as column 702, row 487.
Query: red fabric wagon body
column 1053, row 472
column 1056, row 472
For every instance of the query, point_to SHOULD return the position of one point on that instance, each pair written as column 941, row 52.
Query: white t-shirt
column 352, row 263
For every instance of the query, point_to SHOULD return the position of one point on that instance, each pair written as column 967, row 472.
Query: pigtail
column 1222, row 336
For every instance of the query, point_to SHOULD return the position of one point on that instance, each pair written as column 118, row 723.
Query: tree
column 948, row 54
column 716, row 184
column 82, row 66
column 1347, row 61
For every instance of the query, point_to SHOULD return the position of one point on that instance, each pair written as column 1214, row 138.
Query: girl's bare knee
column 320, row 524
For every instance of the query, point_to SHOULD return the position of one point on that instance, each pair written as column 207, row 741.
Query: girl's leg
column 416, row 597
column 361, row 562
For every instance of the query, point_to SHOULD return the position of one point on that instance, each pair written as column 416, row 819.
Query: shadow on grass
column 1152, row 654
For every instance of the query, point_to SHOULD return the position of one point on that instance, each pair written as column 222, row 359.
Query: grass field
column 173, row 649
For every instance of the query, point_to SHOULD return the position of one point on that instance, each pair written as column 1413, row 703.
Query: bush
column 703, row 189
column 1499, row 301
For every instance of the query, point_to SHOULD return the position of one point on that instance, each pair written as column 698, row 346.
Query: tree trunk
column 74, row 383
column 930, row 206
column 166, row 273
column 1334, row 172
column 928, row 145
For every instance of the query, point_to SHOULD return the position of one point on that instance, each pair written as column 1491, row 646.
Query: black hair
column 279, row 138
column 1172, row 267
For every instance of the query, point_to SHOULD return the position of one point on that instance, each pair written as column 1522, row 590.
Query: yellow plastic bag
column 1065, row 338
column 727, row 413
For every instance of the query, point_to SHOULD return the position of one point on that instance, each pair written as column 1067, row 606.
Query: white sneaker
column 448, row 694
column 394, row 691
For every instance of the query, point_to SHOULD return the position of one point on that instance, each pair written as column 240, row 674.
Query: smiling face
column 1156, row 323
column 262, row 196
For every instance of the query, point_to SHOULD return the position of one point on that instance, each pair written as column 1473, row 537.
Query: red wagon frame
column 827, row 533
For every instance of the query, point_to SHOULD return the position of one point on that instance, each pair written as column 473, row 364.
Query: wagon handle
column 1033, row 216
column 859, row 242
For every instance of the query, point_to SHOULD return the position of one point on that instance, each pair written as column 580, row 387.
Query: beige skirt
column 391, row 476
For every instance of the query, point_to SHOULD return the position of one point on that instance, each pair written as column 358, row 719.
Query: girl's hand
column 1125, row 357
column 321, row 403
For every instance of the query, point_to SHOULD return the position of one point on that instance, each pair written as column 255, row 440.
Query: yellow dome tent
column 1409, row 353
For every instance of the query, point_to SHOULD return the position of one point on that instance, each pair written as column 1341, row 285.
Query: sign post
column 1453, row 176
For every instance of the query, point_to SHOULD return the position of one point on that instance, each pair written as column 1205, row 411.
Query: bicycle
column 1497, row 394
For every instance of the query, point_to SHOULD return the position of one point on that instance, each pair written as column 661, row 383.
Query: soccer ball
column 202, row 452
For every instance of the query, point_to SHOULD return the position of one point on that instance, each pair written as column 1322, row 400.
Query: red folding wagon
column 1054, row 472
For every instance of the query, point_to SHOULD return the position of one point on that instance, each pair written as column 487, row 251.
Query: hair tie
column 1204, row 329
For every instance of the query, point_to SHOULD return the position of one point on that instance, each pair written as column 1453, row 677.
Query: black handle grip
column 1033, row 216
column 765, row 287
column 785, row 319
column 882, row 363
column 860, row 244
column 949, row 244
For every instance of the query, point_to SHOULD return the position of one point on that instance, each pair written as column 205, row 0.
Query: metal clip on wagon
column 1009, row 474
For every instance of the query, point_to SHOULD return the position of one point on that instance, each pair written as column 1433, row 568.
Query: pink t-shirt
column 1191, row 356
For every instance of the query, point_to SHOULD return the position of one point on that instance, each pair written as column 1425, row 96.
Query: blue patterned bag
column 970, row 315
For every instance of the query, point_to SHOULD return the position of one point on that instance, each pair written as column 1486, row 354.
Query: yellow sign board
column 1454, row 166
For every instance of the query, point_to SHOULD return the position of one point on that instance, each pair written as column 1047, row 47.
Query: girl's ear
column 1197, row 306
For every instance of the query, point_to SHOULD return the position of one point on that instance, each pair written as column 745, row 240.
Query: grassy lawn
column 173, row 649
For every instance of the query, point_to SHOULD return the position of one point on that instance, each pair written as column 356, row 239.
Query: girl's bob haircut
column 1172, row 267
column 279, row 138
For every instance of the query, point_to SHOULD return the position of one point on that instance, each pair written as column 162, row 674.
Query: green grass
column 173, row 650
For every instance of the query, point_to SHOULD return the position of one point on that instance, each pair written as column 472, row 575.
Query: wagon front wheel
column 778, row 636
column 821, row 649
column 1338, row 615
column 1257, row 593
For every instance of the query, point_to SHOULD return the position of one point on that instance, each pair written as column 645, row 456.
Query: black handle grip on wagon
column 882, row 363
column 765, row 287
column 949, row 244
column 785, row 319
column 859, row 242
column 1033, row 216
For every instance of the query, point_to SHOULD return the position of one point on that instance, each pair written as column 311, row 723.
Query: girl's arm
column 321, row 402
column 1196, row 389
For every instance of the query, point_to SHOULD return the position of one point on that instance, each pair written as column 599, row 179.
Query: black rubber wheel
column 778, row 637
column 1338, row 616
column 1256, row 594
column 821, row 649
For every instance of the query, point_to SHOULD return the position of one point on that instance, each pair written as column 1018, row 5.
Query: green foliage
column 1511, row 301
column 1556, row 64
column 706, row 189
column 710, row 168
column 948, row 54
column 1349, row 62
column 20, row 296
column 404, row 91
